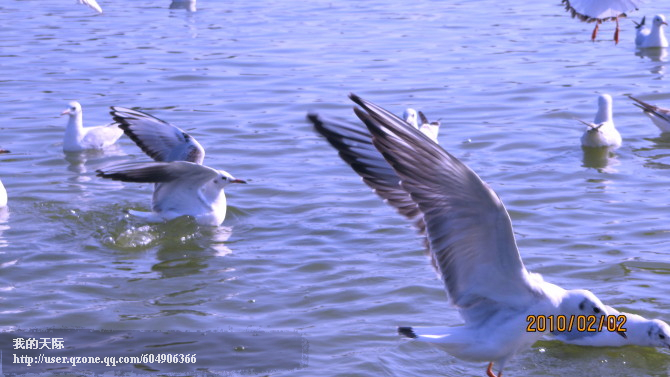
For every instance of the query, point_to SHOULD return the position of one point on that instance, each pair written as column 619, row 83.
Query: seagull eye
column 596, row 310
column 661, row 336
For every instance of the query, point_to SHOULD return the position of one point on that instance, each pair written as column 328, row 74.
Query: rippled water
column 306, row 247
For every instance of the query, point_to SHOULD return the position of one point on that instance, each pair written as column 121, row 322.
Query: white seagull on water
column 3, row 195
column 183, row 186
column 78, row 138
column 3, row 192
column 430, row 129
column 599, row 11
column 602, row 133
column 652, row 37
column 658, row 115
column 468, row 234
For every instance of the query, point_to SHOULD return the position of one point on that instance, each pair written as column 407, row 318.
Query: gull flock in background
column 599, row 11
column 468, row 234
column 189, row 5
column 183, row 186
column 467, row 230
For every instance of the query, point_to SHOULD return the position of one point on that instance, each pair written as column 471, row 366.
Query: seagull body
column 91, row 3
column 599, row 11
column 189, row 5
column 182, row 189
column 78, row 138
column 658, row 115
column 639, row 332
column 602, row 133
column 468, row 234
column 3, row 195
column 183, row 186
column 430, row 129
column 651, row 37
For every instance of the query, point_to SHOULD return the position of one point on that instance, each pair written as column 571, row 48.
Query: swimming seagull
column 189, row 5
column 183, row 186
column 3, row 192
column 78, row 138
column 411, row 116
column 430, row 129
column 651, row 37
column 602, row 133
column 3, row 195
column 639, row 332
column 658, row 115
column 601, row 10
column 468, row 234
column 182, row 189
column 91, row 3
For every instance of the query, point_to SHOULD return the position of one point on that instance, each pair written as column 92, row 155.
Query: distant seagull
column 658, row 115
column 189, row 5
column 91, row 3
column 411, row 116
column 183, row 186
column 78, row 138
column 430, row 129
column 182, row 189
column 601, row 10
column 3, row 192
column 653, row 37
column 3, row 195
column 639, row 332
column 468, row 233
column 602, row 133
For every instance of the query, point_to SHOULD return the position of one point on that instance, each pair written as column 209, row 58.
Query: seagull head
column 411, row 116
column 224, row 179
column 659, row 21
column 659, row 333
column 73, row 108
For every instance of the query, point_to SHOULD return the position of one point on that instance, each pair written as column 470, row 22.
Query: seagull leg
column 595, row 32
column 489, row 372
column 616, row 32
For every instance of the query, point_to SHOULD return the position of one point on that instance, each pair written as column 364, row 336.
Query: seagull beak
column 622, row 333
column 238, row 181
column 66, row 111
column 664, row 23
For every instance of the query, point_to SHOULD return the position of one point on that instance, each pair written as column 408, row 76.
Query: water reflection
column 77, row 160
column 602, row 159
column 655, row 54
column 656, row 155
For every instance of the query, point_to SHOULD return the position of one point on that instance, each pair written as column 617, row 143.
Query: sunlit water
column 306, row 247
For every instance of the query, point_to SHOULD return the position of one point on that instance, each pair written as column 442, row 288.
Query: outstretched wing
column 354, row 144
column 159, row 139
column 469, row 231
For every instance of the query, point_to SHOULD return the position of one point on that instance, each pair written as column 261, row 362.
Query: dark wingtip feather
column 407, row 331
